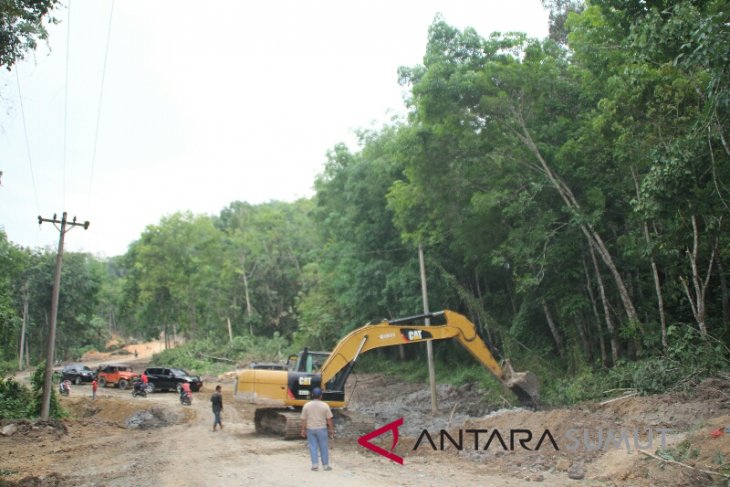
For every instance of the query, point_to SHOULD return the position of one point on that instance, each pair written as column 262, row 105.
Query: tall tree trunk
column 566, row 194
column 654, row 268
column 553, row 328
column 193, row 320
column 25, row 321
column 27, row 354
column 580, row 326
column 720, row 131
column 659, row 295
column 606, row 308
column 112, row 320
column 480, row 300
column 697, row 301
column 594, row 305
column 724, row 291
column 249, row 311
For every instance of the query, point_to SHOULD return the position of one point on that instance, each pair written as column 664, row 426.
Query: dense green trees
column 26, row 282
column 266, row 249
column 571, row 194
column 599, row 167
column 198, row 275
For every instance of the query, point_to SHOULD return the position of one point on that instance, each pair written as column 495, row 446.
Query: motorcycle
column 139, row 388
column 186, row 398
column 64, row 388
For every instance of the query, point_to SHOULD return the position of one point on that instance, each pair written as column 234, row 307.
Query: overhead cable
column 27, row 143
column 65, row 105
column 101, row 97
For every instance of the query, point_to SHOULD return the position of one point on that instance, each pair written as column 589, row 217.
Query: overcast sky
column 203, row 104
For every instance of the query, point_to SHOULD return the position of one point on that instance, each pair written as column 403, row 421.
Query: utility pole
column 48, row 376
column 429, row 345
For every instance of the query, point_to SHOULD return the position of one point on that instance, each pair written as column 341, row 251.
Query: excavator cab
column 307, row 361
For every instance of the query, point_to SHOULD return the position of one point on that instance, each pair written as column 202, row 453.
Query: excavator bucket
column 524, row 385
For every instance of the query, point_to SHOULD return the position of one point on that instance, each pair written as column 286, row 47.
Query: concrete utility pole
column 429, row 345
column 48, row 376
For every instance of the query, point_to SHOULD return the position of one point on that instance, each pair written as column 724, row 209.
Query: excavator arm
column 387, row 333
column 276, row 392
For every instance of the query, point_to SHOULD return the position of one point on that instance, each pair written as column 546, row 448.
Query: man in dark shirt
column 217, row 400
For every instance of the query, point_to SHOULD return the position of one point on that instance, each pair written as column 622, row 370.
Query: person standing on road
column 94, row 387
column 185, row 391
column 217, row 400
column 316, row 421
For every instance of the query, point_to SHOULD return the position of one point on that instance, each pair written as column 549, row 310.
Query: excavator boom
column 386, row 333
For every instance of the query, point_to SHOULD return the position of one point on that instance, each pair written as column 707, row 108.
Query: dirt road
column 98, row 450
column 120, row 441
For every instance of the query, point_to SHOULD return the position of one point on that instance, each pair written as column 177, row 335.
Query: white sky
column 204, row 103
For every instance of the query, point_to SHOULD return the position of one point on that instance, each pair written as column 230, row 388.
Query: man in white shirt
column 316, row 421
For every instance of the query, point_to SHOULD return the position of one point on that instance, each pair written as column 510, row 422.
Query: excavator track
column 286, row 423
column 278, row 421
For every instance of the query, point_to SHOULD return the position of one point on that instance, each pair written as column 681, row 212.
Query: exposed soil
column 118, row 440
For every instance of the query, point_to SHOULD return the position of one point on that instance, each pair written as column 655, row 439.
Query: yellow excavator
column 281, row 391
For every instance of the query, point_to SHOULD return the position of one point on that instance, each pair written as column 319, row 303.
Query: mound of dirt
column 455, row 406
column 103, row 410
column 151, row 418
column 613, row 440
column 605, row 438
column 111, row 411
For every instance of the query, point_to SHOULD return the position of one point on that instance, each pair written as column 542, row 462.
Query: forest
column 570, row 194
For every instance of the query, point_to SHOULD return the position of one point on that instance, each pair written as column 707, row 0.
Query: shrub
column 16, row 400
column 8, row 367
column 36, row 380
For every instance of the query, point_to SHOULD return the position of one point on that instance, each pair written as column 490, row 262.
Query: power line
column 27, row 143
column 101, row 96
column 65, row 105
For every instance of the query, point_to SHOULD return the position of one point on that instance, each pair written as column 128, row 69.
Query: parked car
column 77, row 373
column 168, row 378
column 119, row 374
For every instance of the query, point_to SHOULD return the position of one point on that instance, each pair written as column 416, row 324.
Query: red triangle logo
column 365, row 441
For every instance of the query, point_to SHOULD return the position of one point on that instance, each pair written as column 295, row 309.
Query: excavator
column 280, row 394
